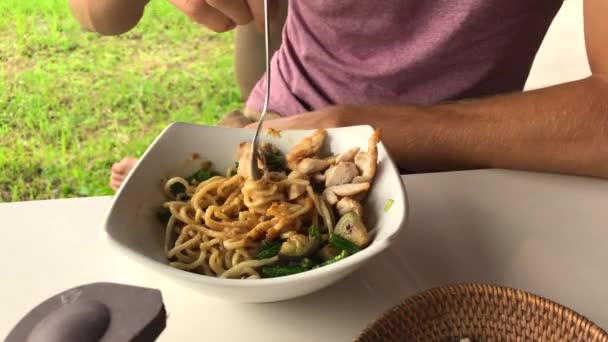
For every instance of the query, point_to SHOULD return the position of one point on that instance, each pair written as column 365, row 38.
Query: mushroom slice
column 348, row 204
column 341, row 174
column 310, row 165
column 306, row 148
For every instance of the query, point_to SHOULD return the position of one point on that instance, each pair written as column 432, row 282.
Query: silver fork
column 253, row 161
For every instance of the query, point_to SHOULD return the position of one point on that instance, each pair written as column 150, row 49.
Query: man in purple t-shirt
column 442, row 79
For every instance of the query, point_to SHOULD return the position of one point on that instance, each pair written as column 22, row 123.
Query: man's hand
column 225, row 15
column 394, row 121
column 560, row 129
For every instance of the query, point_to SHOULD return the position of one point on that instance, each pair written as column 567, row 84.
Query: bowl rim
column 366, row 254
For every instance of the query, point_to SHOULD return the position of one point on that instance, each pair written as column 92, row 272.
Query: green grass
column 73, row 103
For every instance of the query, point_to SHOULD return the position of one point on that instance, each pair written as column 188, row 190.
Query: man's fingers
column 114, row 185
column 213, row 19
column 118, row 177
column 117, row 167
column 237, row 10
column 204, row 14
column 124, row 166
column 257, row 9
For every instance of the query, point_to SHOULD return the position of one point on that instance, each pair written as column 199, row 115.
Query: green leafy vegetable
column 202, row 175
column 308, row 263
column 388, row 205
column 199, row 176
column 280, row 271
column 269, row 249
column 343, row 244
column 314, row 233
column 337, row 258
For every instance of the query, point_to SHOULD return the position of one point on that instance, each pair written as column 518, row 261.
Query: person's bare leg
column 249, row 51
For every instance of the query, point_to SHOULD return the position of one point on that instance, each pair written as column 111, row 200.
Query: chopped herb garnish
column 202, row 175
column 269, row 249
column 164, row 215
column 314, row 233
column 177, row 188
column 337, row 258
column 275, row 161
column 388, row 205
column 343, row 244
column 308, row 263
column 280, row 271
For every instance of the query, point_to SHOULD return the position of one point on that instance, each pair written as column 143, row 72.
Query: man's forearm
column 108, row 17
column 561, row 129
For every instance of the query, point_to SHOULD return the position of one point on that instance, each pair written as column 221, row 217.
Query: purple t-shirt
column 402, row 51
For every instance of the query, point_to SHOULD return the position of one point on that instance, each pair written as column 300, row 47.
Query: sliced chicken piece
column 330, row 196
column 341, row 174
column 348, row 204
column 296, row 190
column 333, row 193
column 242, row 148
column 306, row 148
column 295, row 174
column 348, row 190
column 331, row 160
column 310, row 165
column 319, row 177
column 367, row 162
column 243, row 154
column 348, row 155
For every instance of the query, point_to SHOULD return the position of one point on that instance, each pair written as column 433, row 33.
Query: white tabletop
column 542, row 233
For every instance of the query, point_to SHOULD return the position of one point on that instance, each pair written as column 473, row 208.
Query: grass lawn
column 72, row 103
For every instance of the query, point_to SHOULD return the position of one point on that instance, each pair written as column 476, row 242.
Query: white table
column 543, row 233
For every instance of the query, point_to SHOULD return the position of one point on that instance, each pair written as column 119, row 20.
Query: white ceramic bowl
column 132, row 226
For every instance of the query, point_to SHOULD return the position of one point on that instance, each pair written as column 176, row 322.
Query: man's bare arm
column 108, row 17
column 561, row 129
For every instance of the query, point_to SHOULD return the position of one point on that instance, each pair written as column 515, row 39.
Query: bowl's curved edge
column 166, row 270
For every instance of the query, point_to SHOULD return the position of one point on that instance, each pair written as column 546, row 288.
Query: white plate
column 132, row 226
